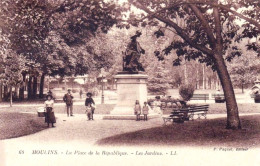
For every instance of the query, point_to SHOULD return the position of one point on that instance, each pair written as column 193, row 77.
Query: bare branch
column 204, row 24
column 224, row 7
column 218, row 26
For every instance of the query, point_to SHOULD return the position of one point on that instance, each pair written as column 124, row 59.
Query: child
column 89, row 111
column 89, row 100
column 137, row 110
column 145, row 111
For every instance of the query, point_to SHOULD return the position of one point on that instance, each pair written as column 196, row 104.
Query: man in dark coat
column 89, row 100
column 68, row 99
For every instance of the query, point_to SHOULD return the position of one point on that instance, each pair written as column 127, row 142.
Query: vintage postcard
column 130, row 82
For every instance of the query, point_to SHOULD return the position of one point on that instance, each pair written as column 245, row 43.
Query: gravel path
column 79, row 129
column 76, row 134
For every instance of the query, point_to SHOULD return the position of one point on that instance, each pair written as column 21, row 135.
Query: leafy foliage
column 52, row 35
column 158, row 80
column 186, row 91
column 194, row 22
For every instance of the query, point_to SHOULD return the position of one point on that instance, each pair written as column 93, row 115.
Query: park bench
column 199, row 110
column 252, row 95
column 200, row 97
column 219, row 98
column 179, row 115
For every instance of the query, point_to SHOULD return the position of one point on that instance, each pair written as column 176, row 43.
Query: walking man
column 68, row 99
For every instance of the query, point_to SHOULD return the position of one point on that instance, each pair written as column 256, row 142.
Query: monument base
column 128, row 117
column 130, row 87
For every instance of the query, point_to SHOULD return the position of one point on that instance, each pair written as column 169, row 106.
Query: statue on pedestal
column 132, row 55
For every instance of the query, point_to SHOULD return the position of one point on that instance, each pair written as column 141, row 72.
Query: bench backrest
column 200, row 96
column 218, row 95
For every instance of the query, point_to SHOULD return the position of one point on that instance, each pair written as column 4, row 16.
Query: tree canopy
column 48, row 33
column 206, row 29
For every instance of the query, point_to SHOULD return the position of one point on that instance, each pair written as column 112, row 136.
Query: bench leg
column 199, row 115
column 191, row 116
column 205, row 115
column 164, row 121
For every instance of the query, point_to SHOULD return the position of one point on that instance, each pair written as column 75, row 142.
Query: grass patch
column 193, row 133
column 13, row 124
column 77, row 109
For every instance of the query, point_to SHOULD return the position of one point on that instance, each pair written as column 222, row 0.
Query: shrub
column 257, row 98
column 186, row 91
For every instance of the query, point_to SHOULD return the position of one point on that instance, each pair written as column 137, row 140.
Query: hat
column 47, row 96
column 138, row 33
column 89, row 94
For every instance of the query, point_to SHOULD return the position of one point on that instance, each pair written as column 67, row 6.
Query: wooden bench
column 219, row 98
column 252, row 95
column 200, row 97
column 179, row 115
column 199, row 110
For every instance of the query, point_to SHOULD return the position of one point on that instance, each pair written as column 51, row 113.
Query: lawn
column 192, row 133
column 214, row 108
column 77, row 109
column 13, row 124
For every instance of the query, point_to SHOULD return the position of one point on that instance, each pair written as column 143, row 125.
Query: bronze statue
column 132, row 55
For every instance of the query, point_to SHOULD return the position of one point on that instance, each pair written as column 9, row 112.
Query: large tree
column 206, row 28
column 52, row 34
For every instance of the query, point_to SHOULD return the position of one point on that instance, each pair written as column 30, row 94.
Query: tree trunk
column 41, row 86
column 185, row 74
column 16, row 93
column 242, row 87
column 197, row 78
column 6, row 93
column 22, row 88
column 29, row 88
column 11, row 97
column 233, row 121
column 203, row 77
column 34, row 87
column 1, row 92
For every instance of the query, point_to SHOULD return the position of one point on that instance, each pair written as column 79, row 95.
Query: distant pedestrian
column 137, row 110
column 89, row 111
column 89, row 100
column 157, row 105
column 68, row 99
column 49, row 113
column 145, row 111
column 80, row 93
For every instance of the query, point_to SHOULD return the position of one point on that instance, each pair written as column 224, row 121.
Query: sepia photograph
column 130, row 82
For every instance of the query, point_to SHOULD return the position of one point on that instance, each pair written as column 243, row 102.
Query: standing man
column 68, row 99
column 90, row 101
column 80, row 93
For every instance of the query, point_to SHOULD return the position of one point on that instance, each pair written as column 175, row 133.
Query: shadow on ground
column 192, row 133
column 13, row 124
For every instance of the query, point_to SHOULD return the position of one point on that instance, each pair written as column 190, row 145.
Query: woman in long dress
column 157, row 105
column 50, row 117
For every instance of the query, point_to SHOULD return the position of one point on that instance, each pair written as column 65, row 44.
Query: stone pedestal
column 130, row 87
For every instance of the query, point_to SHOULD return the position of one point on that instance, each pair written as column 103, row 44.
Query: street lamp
column 102, row 86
